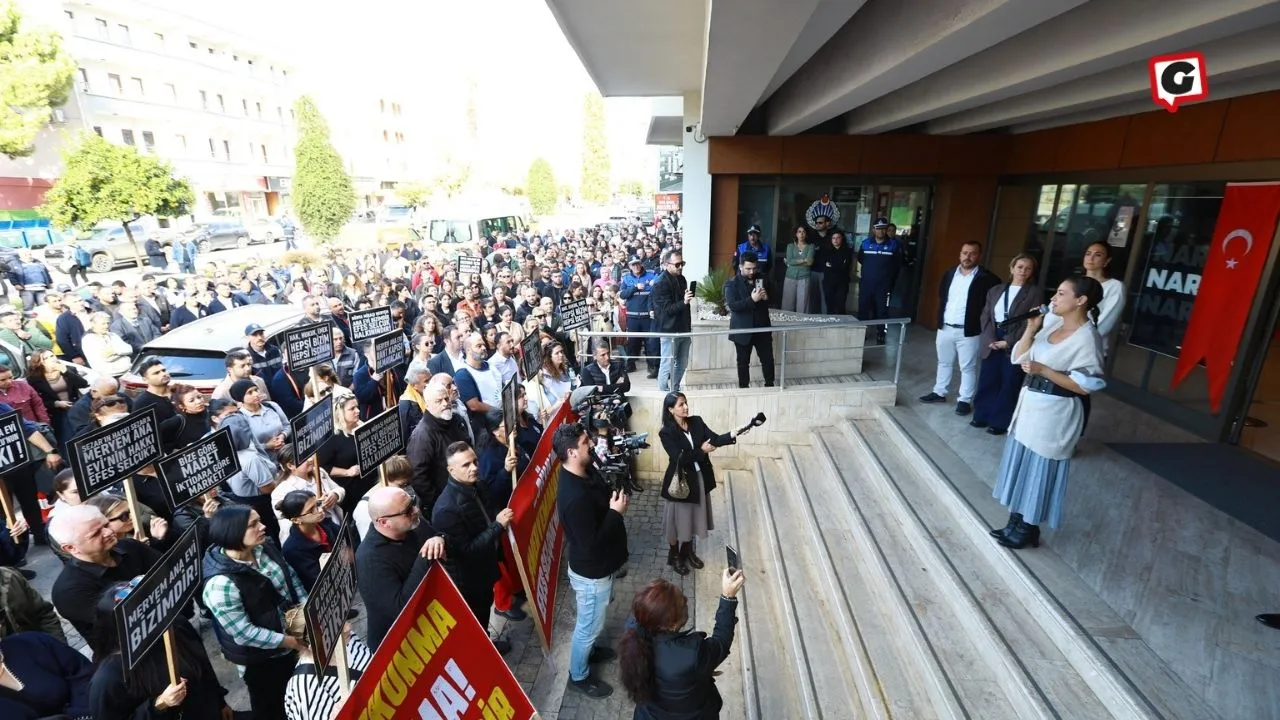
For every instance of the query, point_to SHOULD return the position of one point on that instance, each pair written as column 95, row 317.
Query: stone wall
column 820, row 352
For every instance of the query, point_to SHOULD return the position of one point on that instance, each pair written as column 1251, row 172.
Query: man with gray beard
column 440, row 426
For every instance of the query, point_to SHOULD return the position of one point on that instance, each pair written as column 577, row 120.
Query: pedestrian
column 880, row 257
column 636, row 291
column 747, row 297
column 30, row 278
column 835, row 258
column 671, row 300
column 98, row 560
column 1000, row 381
column 799, row 262
column 961, row 296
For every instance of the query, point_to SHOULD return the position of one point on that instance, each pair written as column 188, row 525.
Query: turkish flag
column 1241, row 243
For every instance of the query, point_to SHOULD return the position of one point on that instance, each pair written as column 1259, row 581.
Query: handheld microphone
column 1042, row 310
column 756, row 421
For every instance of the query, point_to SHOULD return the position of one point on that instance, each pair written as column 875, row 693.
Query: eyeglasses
column 407, row 512
column 675, row 264
column 125, row 516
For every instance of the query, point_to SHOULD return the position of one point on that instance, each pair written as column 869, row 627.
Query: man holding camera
column 747, row 297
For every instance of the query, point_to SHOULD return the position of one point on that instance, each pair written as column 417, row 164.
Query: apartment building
column 370, row 128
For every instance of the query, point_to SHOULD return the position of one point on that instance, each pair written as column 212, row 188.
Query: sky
column 529, row 82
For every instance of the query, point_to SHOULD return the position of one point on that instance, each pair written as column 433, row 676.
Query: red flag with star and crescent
column 1241, row 243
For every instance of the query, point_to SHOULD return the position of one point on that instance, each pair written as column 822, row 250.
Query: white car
column 265, row 232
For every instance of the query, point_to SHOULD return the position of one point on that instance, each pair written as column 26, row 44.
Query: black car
column 219, row 235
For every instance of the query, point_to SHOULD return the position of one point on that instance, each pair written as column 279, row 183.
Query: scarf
column 411, row 393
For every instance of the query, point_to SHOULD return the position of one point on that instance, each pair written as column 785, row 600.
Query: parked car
column 221, row 234
column 194, row 353
column 108, row 248
column 265, row 231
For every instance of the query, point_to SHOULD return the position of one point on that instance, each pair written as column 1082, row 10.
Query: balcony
column 140, row 109
column 214, row 70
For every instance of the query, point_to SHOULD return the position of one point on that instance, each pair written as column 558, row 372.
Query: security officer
column 755, row 245
column 636, row 286
column 880, row 257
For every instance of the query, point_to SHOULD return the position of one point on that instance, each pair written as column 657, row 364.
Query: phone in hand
column 693, row 286
column 735, row 562
column 759, row 283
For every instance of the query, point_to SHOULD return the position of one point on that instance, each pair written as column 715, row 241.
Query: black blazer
column 76, row 384
column 441, row 363
column 977, row 299
column 593, row 375
column 743, row 311
column 680, row 454
column 1027, row 298
column 683, row 667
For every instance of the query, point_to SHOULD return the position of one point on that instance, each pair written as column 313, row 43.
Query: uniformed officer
column 756, row 245
column 880, row 258
column 636, row 286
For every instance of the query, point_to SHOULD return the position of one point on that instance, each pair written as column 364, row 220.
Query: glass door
column 907, row 208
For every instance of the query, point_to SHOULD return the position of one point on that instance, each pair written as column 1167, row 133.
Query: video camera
column 605, row 418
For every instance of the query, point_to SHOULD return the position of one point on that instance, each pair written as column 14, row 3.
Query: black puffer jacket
column 474, row 552
column 426, row 453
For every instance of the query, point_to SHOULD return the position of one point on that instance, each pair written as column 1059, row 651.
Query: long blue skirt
column 1031, row 485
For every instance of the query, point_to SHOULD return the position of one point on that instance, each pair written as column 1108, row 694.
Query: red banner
column 1241, row 243
column 666, row 202
column 437, row 663
column 537, row 538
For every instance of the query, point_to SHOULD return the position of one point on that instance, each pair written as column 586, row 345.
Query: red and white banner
column 437, row 663
column 537, row 538
column 1232, row 271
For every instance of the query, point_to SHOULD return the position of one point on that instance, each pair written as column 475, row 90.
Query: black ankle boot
column 1021, row 536
column 1014, row 519
column 672, row 555
column 681, row 564
column 692, row 558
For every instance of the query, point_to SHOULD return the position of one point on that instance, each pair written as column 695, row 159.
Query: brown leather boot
column 694, row 561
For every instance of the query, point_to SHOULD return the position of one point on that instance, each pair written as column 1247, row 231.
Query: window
column 204, row 100
column 264, row 153
column 213, row 149
column 222, row 104
column 386, row 136
column 382, row 106
column 70, row 15
column 210, row 50
column 104, row 30
column 136, row 86
column 235, row 58
column 280, row 113
column 173, row 92
column 122, row 34
column 114, row 80
column 192, row 44
column 97, row 129
column 84, row 80
column 1087, row 214
column 259, row 110
column 148, row 141
column 226, row 150
column 127, row 136
column 158, row 38
column 180, row 144
column 245, row 105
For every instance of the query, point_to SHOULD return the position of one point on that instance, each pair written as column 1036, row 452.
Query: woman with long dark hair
column 311, row 534
column 58, row 388
column 669, row 672
column 1000, row 381
column 191, row 421
column 1062, row 365
column 799, row 261
column 145, row 691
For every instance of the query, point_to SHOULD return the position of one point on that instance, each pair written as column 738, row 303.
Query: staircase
column 874, row 592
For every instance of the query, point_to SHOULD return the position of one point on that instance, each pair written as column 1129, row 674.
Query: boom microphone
column 756, row 421
column 1042, row 310
column 578, row 397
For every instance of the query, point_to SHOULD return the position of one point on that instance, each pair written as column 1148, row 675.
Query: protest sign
column 378, row 439
column 311, row 428
column 198, row 468
column 308, row 345
column 574, row 315
column 509, row 414
column 531, row 356
column 13, row 442
column 112, row 453
column 148, row 611
column 370, row 323
column 437, row 663
column 330, row 598
column 537, row 538
column 470, row 264
column 388, row 351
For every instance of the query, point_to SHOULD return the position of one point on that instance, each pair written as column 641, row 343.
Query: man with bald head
column 79, row 419
column 441, row 425
column 97, row 561
column 393, row 558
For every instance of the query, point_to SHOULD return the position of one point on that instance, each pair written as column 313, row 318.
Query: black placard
column 388, row 351
column 470, row 264
column 574, row 315
column 198, row 468
column 330, row 598
column 149, row 610
column 308, row 345
column 509, row 418
column 531, row 355
column 378, row 439
column 311, row 428
column 110, row 454
column 13, row 442
column 370, row 323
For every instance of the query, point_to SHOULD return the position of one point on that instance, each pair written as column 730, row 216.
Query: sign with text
column 330, row 598
column 112, row 453
column 531, row 356
column 510, row 416
column 13, row 442
column 370, row 323
column 378, row 439
column 574, row 315
column 198, row 468
column 311, row 428
column 537, row 538
column 437, row 663
column 308, row 345
column 388, row 351
column 1178, row 79
column 470, row 264
column 666, row 202
column 149, row 610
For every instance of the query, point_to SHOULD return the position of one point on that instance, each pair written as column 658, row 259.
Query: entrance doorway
column 1260, row 429
column 908, row 209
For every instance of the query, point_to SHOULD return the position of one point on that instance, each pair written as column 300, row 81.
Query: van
column 470, row 225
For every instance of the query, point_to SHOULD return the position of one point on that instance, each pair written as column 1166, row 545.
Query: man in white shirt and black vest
column 961, row 296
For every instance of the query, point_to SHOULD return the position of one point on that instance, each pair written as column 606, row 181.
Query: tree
column 541, row 187
column 35, row 78
column 631, row 187
column 595, row 154
column 412, row 192
column 103, row 181
column 323, row 195
column 452, row 179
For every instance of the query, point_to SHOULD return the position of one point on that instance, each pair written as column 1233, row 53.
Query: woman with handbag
column 689, row 479
column 1000, row 381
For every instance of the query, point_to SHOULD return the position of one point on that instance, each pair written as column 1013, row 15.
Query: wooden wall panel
column 901, row 154
column 745, row 155
column 962, row 210
column 972, row 154
column 821, row 154
column 1033, row 152
column 724, row 219
column 1091, row 146
column 1187, row 137
column 1250, row 130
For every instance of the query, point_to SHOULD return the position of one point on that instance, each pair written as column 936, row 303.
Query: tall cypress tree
column 595, row 153
column 323, row 194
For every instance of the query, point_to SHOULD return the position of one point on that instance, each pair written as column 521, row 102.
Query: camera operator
column 609, row 376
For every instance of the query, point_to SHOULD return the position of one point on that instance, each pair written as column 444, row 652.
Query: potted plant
column 711, row 290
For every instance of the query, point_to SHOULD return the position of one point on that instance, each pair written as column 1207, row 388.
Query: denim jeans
column 675, row 359
column 593, row 597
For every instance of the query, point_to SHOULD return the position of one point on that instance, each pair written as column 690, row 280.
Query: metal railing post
column 782, row 378
column 897, row 364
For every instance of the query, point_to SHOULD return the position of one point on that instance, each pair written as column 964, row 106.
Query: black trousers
column 22, row 485
column 266, row 682
column 835, row 291
column 763, row 344
column 642, row 323
column 480, row 600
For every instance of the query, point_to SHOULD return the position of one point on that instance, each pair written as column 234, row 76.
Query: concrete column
column 696, row 220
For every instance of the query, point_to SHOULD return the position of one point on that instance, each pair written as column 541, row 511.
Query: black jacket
column 474, row 552
column 76, row 385
column 303, row 553
column 743, row 311
column 159, row 314
column 80, row 585
column 671, row 314
column 595, row 534
column 263, row 604
column 441, row 363
column 593, row 375
column 680, row 453
column 390, row 572
column 68, row 332
column 410, row 415
column 425, row 450
column 137, row 333
column 79, row 418
column 834, row 263
column 683, row 667
column 977, row 298
column 183, row 316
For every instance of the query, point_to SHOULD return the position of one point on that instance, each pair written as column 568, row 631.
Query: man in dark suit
column 747, row 297
column 451, row 360
column 609, row 376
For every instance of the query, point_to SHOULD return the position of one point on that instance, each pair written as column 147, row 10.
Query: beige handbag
column 679, row 489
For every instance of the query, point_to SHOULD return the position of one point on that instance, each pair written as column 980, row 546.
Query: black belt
column 1041, row 384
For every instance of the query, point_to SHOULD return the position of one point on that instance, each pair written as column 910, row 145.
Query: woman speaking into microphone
column 1000, row 381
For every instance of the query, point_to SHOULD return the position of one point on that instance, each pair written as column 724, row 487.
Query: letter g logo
column 1178, row 79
